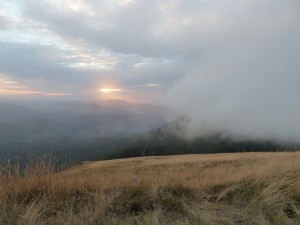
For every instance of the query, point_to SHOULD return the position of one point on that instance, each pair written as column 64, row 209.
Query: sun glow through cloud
column 113, row 93
column 110, row 90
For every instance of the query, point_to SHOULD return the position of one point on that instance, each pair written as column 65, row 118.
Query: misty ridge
column 85, row 130
column 83, row 118
column 61, row 127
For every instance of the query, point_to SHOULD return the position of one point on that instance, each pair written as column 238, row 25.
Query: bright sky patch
column 110, row 90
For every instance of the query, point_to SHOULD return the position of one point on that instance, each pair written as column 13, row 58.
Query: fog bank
column 247, row 85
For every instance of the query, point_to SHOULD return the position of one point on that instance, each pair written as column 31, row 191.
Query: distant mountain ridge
column 62, row 126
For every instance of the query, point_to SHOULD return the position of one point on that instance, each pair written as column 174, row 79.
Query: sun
column 110, row 90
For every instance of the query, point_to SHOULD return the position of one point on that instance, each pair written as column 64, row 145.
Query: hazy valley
column 68, row 128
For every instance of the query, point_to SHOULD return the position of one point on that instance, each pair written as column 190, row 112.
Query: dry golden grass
column 228, row 189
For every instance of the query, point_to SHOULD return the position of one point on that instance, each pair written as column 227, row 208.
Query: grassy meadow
column 225, row 189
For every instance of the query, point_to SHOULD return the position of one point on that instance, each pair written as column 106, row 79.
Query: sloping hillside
column 233, row 189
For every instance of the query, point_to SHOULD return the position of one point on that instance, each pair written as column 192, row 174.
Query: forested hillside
column 171, row 140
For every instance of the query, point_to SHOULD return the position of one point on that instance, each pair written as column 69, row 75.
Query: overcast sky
column 74, row 48
column 230, row 65
column 145, row 48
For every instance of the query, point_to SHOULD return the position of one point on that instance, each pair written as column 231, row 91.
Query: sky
column 74, row 48
column 229, row 65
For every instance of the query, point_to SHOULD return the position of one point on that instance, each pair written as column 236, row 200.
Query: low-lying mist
column 82, row 130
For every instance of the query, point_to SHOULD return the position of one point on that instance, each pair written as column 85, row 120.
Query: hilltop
column 229, row 189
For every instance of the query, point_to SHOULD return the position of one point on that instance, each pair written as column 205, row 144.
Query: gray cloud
column 3, row 23
column 40, row 68
column 32, row 61
column 149, row 29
